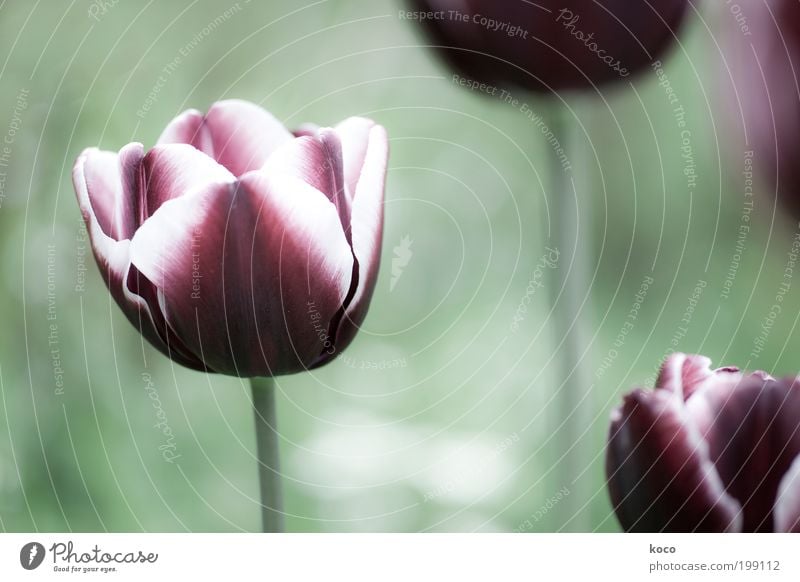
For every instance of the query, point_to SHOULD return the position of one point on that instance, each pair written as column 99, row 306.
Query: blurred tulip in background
column 764, row 97
column 548, row 46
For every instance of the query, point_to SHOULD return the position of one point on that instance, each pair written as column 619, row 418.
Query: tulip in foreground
column 707, row 451
column 239, row 248
column 235, row 246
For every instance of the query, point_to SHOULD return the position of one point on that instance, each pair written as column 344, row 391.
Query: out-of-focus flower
column 548, row 45
column 235, row 246
column 707, row 450
column 764, row 99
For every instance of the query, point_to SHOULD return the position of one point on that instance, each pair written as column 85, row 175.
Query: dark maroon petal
column 703, row 405
column 754, row 437
column 367, row 229
column 338, row 194
column 659, row 474
column 249, row 275
column 174, row 170
column 112, row 187
column 113, row 260
column 317, row 160
column 549, row 45
column 787, row 507
column 149, row 319
column 237, row 134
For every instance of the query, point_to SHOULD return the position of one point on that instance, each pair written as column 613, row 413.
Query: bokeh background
column 443, row 415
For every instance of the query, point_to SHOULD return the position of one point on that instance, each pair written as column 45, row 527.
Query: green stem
column 269, row 469
column 571, row 215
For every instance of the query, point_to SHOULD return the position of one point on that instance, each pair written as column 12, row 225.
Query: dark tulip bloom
column 707, row 450
column 235, row 246
column 548, row 45
column 764, row 60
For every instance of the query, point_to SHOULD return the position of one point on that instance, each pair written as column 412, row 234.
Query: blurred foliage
column 439, row 417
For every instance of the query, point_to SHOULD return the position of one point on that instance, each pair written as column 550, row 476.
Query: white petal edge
column 354, row 134
column 116, row 254
column 787, row 505
column 367, row 217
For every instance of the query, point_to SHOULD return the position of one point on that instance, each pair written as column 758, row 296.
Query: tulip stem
column 570, row 217
column 269, row 470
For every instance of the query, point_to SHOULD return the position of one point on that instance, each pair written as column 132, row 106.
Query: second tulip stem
column 269, row 470
column 570, row 311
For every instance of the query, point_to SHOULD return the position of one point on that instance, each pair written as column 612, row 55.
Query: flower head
column 707, row 450
column 235, row 246
column 548, row 45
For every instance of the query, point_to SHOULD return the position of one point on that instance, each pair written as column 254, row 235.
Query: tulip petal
column 174, row 170
column 113, row 256
column 550, row 59
column 317, row 160
column 685, row 374
column 682, row 374
column 238, row 134
column 367, row 232
column 111, row 184
column 188, row 128
column 354, row 133
column 691, row 378
column 249, row 274
column 659, row 474
column 754, row 438
column 141, row 291
column 787, row 507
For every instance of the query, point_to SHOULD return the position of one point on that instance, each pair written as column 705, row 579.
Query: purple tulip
column 235, row 246
column 763, row 59
column 707, row 450
column 548, row 45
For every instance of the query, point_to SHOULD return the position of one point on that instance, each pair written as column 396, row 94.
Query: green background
column 457, row 432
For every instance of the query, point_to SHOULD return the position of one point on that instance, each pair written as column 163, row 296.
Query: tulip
column 762, row 59
column 707, row 450
column 235, row 246
column 548, row 45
